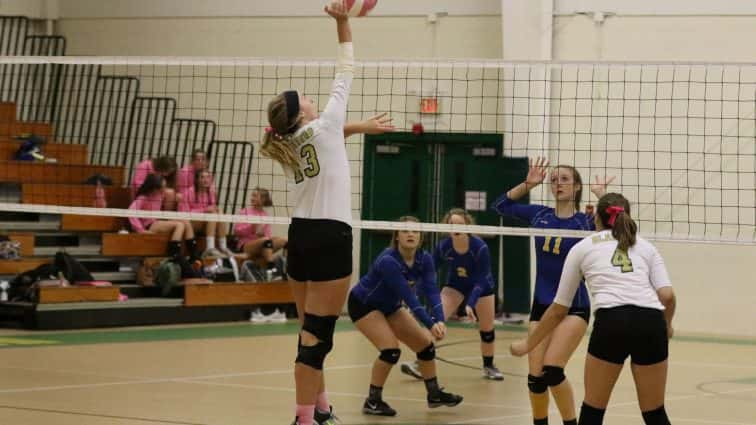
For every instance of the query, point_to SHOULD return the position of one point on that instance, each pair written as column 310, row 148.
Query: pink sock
column 323, row 404
column 305, row 414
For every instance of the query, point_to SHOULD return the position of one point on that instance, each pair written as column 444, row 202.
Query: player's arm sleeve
column 658, row 274
column 393, row 277
column 430, row 289
column 507, row 207
column 335, row 111
column 571, row 274
column 482, row 271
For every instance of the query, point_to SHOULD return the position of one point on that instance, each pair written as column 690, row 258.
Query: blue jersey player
column 547, row 361
column 377, row 308
column 468, row 280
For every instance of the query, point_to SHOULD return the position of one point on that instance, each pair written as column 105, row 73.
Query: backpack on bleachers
column 72, row 270
column 167, row 275
column 23, row 286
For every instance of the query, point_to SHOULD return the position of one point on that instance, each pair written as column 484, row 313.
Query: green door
column 473, row 174
column 426, row 176
column 396, row 181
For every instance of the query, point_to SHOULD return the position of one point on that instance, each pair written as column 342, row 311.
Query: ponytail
column 614, row 213
column 624, row 231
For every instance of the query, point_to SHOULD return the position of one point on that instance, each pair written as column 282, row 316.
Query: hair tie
column 613, row 212
column 272, row 131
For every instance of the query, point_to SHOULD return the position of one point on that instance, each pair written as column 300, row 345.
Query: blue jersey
column 391, row 281
column 550, row 251
column 469, row 273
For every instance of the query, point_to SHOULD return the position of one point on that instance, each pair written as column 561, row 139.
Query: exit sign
column 429, row 105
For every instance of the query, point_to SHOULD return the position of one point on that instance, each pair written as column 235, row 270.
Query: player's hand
column 599, row 186
column 378, row 124
column 536, row 171
column 337, row 10
column 471, row 317
column 438, row 330
column 519, row 348
column 670, row 331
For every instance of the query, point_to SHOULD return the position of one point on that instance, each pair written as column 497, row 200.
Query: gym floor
column 241, row 373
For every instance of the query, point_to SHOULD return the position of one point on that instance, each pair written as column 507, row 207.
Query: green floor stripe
column 237, row 330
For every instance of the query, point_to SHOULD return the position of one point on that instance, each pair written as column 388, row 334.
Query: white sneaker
column 257, row 317
column 277, row 317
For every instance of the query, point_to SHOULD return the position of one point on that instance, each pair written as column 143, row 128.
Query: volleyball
column 357, row 8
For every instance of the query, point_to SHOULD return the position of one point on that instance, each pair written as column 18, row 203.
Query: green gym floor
column 241, row 373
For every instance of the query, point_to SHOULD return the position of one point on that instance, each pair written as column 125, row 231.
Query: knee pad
column 656, row 417
column 390, row 355
column 591, row 416
column 488, row 337
column 268, row 244
column 553, row 375
column 536, row 385
column 322, row 328
column 428, row 353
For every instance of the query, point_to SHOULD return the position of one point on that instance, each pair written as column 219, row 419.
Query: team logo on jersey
column 461, row 272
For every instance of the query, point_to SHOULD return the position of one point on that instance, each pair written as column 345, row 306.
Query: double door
column 425, row 176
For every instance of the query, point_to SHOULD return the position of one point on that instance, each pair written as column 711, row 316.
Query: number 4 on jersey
column 622, row 260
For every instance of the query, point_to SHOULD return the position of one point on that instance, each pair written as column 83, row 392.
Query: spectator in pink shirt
column 201, row 198
column 256, row 239
column 150, row 197
column 185, row 177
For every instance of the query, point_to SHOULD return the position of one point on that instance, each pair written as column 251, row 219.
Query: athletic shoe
column 492, row 373
column 412, row 370
column 443, row 398
column 227, row 251
column 377, row 408
column 257, row 317
column 326, row 418
column 276, row 317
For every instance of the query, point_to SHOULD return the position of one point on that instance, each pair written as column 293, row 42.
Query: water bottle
column 269, row 275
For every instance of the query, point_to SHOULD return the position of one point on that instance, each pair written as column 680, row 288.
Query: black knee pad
column 536, row 385
column 553, row 375
column 390, row 355
column 656, row 417
column 268, row 244
column 428, row 353
column 322, row 328
column 591, row 416
column 488, row 337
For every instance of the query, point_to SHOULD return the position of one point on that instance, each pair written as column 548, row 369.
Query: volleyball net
column 680, row 138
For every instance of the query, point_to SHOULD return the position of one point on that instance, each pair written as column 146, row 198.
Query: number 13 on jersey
column 310, row 156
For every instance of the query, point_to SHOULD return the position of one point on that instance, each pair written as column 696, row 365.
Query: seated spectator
column 164, row 166
column 149, row 197
column 185, row 177
column 201, row 198
column 256, row 239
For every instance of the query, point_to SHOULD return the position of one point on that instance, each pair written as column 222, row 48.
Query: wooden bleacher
column 237, row 294
column 73, row 195
column 62, row 153
column 77, row 294
column 37, row 172
column 13, row 129
column 60, row 183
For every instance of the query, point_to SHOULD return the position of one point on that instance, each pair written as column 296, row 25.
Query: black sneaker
column 378, row 408
column 443, row 398
column 412, row 370
column 326, row 418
